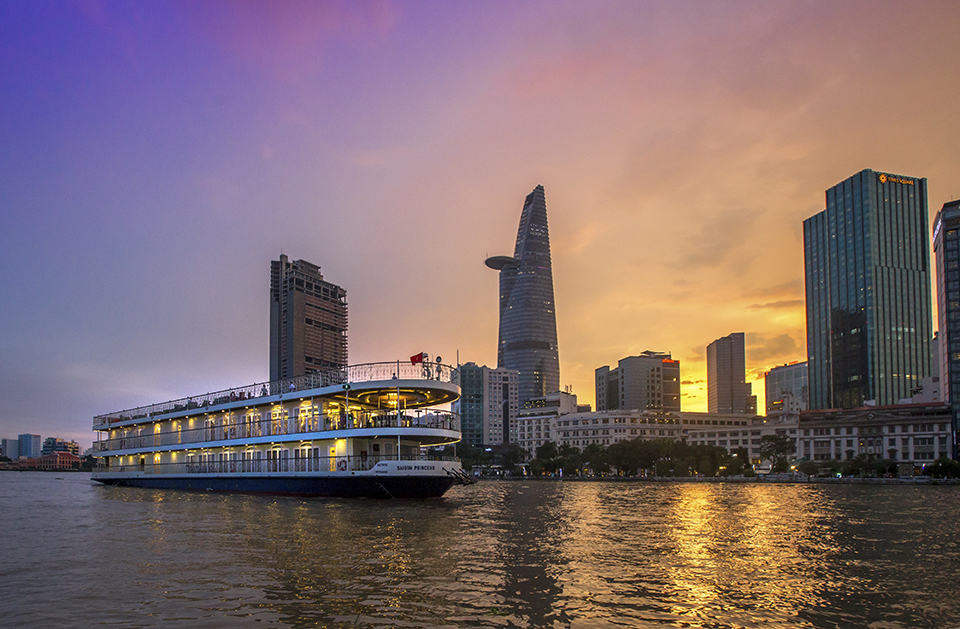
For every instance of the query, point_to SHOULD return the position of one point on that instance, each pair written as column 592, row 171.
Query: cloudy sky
column 155, row 156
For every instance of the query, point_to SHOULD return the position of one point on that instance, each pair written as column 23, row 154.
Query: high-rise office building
column 866, row 260
column 11, row 448
column 727, row 388
column 650, row 381
column 946, row 246
column 528, row 322
column 29, row 446
column 308, row 321
column 488, row 405
column 786, row 388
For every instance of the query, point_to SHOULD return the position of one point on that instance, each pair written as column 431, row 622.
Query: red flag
column 418, row 358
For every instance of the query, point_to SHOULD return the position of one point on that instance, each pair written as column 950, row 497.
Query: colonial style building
column 912, row 433
column 559, row 421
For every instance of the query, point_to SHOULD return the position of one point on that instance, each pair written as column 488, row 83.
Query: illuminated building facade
column 528, row 322
column 867, row 275
column 946, row 246
column 650, row 381
column 727, row 388
column 308, row 321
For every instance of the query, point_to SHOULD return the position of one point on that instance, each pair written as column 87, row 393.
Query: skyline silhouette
column 159, row 155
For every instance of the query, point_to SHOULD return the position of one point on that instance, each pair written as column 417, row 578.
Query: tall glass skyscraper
column 867, row 274
column 946, row 245
column 727, row 388
column 528, row 320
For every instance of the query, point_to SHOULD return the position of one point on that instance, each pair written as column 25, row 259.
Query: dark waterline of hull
column 326, row 486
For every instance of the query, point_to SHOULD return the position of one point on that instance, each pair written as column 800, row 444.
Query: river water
column 495, row 554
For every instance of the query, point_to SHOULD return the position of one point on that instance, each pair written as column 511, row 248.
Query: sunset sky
column 156, row 156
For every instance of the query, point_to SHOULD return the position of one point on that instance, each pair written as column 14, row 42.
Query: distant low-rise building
column 60, row 460
column 605, row 428
column 55, row 444
column 734, row 432
column 536, row 421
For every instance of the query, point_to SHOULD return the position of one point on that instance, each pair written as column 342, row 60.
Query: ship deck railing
column 366, row 372
column 298, row 463
column 138, row 437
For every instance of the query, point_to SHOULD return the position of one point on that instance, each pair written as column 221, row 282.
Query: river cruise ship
column 362, row 431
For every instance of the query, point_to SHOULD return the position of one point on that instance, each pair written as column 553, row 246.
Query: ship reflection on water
column 517, row 554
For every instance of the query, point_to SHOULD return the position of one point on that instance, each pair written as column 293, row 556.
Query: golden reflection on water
column 692, row 531
column 741, row 546
column 504, row 554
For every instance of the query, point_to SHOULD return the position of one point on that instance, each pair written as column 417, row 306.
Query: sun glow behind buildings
column 152, row 172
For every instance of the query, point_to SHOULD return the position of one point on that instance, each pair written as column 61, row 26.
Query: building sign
column 894, row 179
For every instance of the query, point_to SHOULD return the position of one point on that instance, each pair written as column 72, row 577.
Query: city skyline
column 159, row 155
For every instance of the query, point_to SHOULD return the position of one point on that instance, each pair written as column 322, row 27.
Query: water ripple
column 497, row 554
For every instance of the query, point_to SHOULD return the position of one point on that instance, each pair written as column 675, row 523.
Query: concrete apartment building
column 10, row 448
column 536, row 421
column 308, row 321
column 488, row 405
column 786, row 388
column 29, row 446
column 650, row 381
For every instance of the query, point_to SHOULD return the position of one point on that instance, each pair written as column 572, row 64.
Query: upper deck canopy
column 371, row 385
